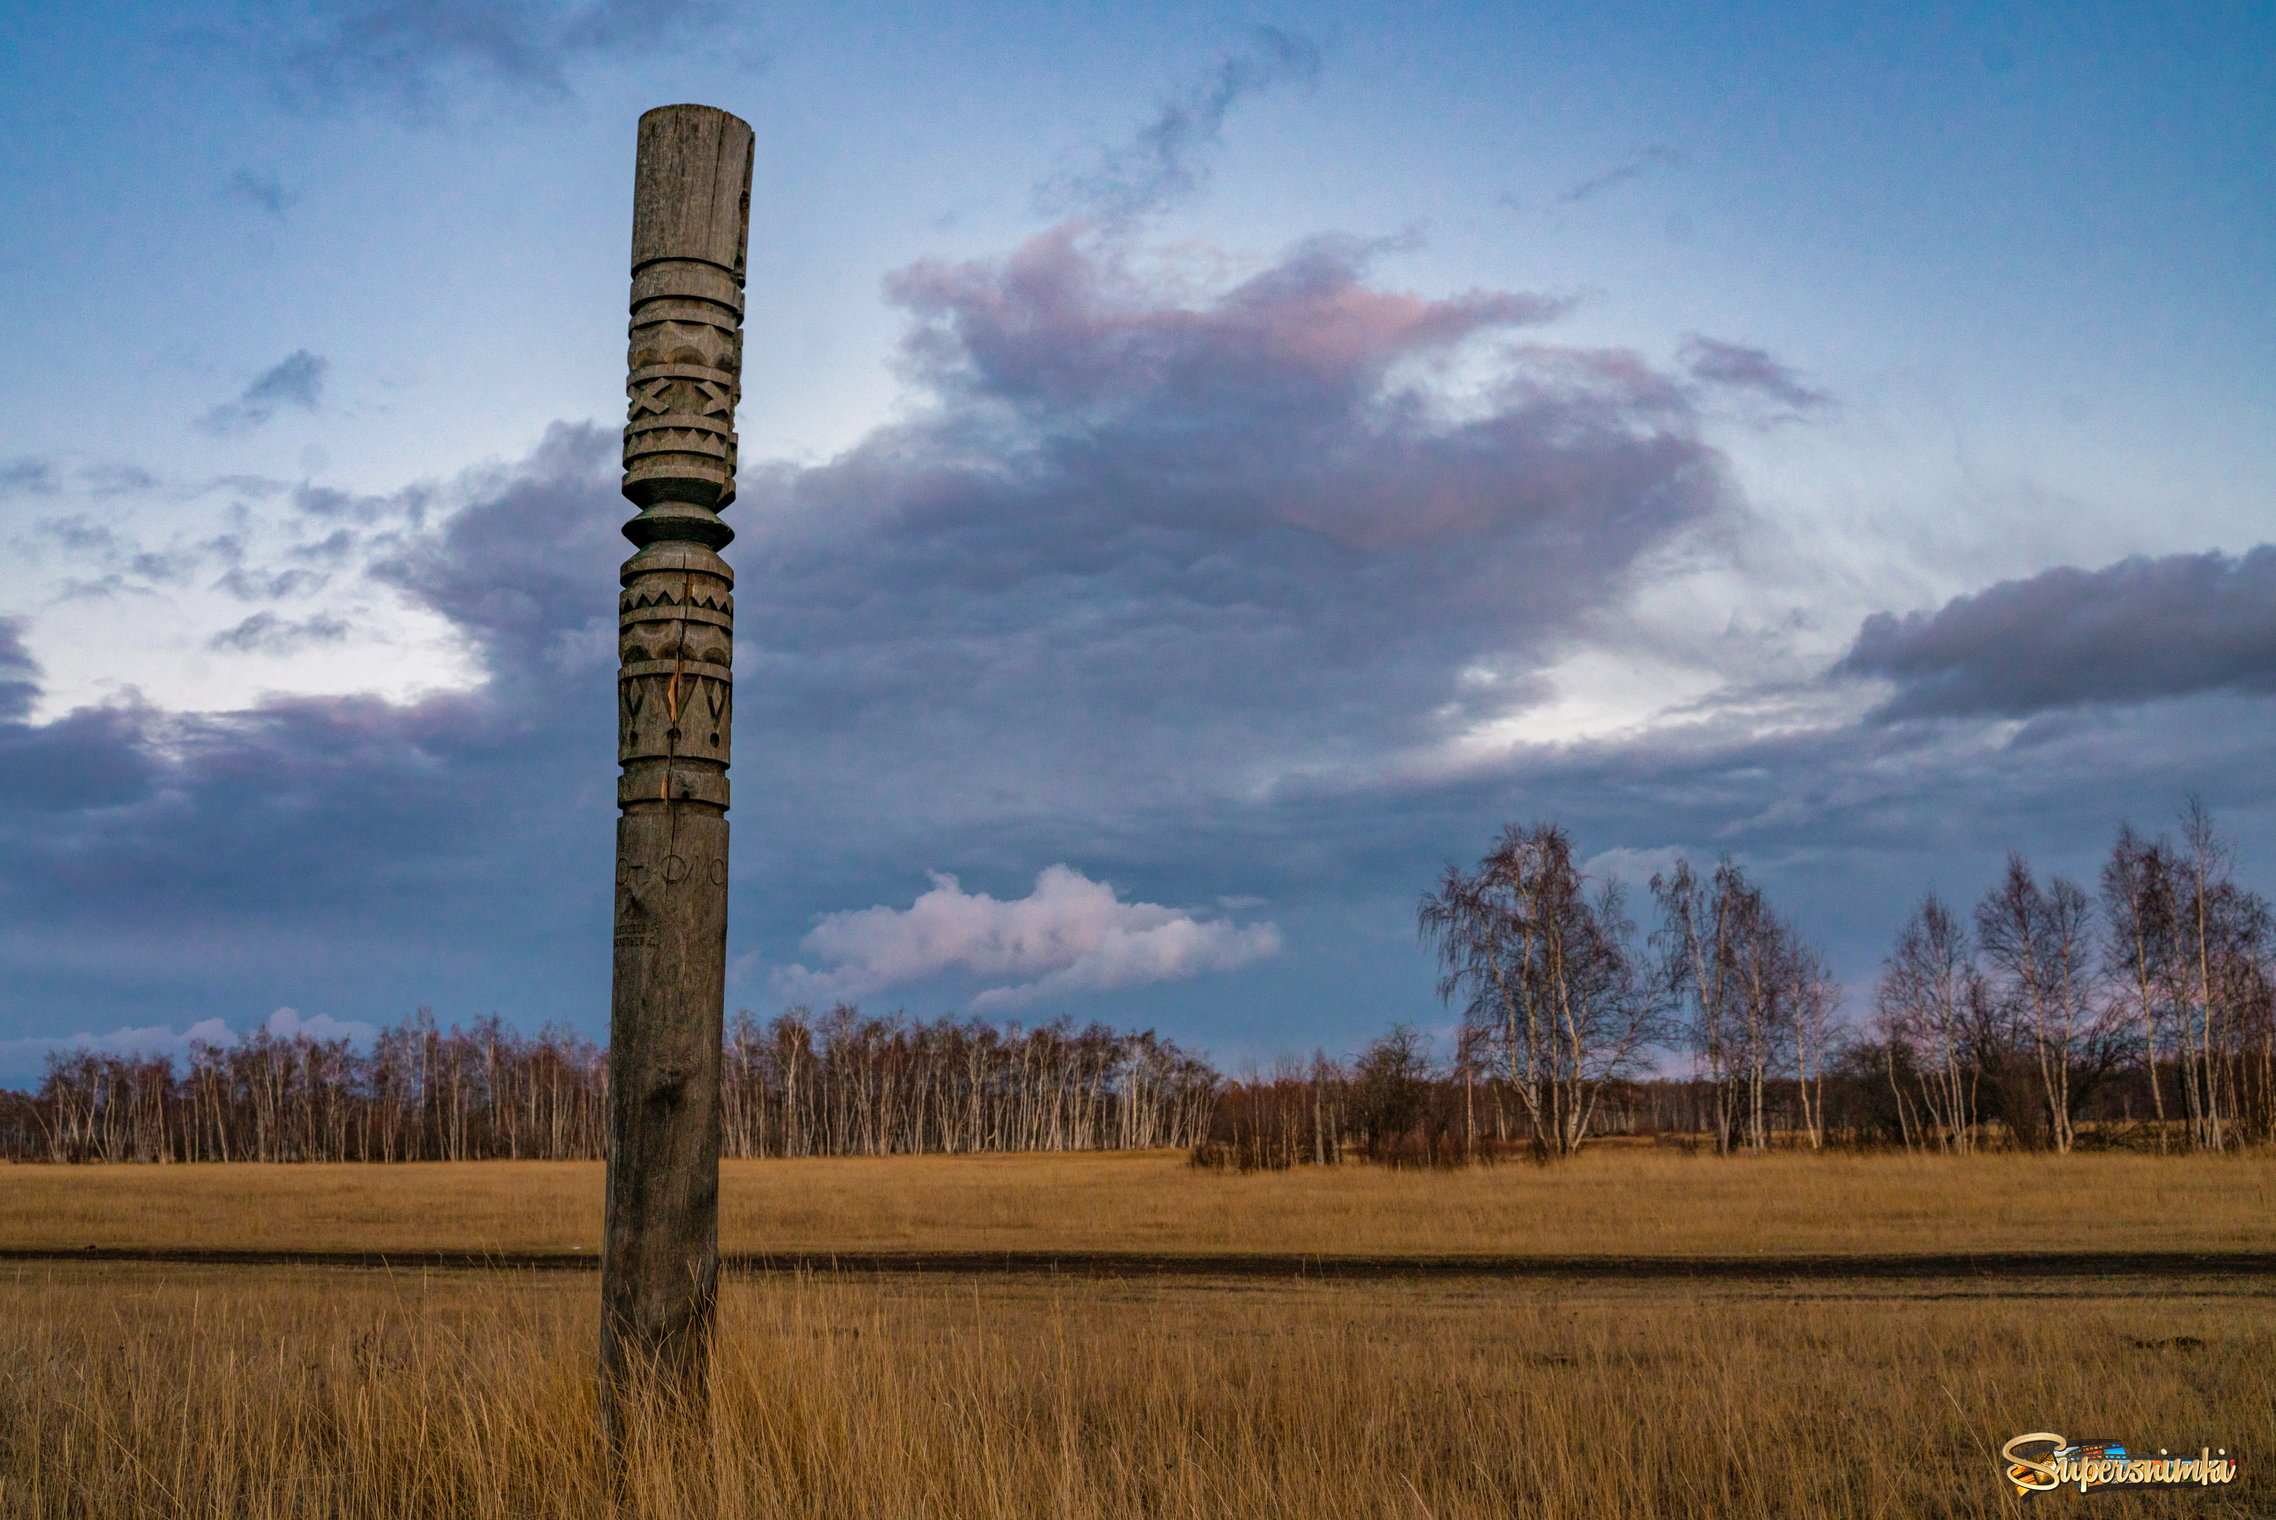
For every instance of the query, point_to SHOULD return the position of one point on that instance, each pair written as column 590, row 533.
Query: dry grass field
column 332, row 1392
column 181, row 1391
column 1611, row 1200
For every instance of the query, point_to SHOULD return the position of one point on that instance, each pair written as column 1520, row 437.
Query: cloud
column 264, row 558
column 1158, row 167
column 19, row 672
column 1271, row 489
column 291, row 1023
column 266, row 633
column 419, row 55
column 1198, row 696
column 165, row 1040
column 1657, row 156
column 295, row 380
column 26, row 475
column 161, row 567
column 1631, row 866
column 264, row 191
column 117, row 479
column 2137, row 631
column 142, row 1040
column 1150, row 572
column 1733, row 366
column 251, row 585
column 1069, row 935
column 352, row 812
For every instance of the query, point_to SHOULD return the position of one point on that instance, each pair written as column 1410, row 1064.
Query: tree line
column 1564, row 1000
column 1395, row 1103
column 2142, row 1012
column 840, row 1083
column 2153, row 994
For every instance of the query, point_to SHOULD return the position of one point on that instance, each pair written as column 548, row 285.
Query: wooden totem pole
column 675, row 618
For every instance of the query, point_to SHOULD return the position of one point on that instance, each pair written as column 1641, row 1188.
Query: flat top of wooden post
column 692, row 190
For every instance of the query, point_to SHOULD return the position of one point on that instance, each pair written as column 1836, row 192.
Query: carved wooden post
column 660, row 1253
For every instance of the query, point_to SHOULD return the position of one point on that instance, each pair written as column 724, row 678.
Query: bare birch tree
column 1929, row 998
column 1699, row 928
column 2194, row 950
column 2138, row 944
column 1549, row 969
column 1755, row 1000
column 2039, row 946
column 1814, row 1000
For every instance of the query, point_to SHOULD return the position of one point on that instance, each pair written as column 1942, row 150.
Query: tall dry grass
column 1609, row 1200
column 133, row 1391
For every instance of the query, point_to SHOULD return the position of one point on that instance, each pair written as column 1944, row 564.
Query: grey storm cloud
column 1151, row 543
column 415, row 55
column 1137, row 561
column 295, row 380
column 2136, row 631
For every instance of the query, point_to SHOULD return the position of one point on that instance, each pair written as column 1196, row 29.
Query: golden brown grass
column 266, row 1393
column 1611, row 1201
column 272, row 1392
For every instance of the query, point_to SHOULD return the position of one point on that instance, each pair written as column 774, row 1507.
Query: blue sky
column 1205, row 468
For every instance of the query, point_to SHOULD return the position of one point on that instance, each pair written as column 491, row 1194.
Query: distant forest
column 2140, row 1013
column 841, row 1084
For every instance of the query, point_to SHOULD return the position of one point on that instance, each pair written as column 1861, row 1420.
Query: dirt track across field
column 1994, row 1264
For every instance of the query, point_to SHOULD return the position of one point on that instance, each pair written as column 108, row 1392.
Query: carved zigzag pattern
column 636, row 601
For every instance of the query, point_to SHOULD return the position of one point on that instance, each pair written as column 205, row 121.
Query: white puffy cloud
column 1070, row 935
column 147, row 1039
column 21, row 1057
column 286, row 1023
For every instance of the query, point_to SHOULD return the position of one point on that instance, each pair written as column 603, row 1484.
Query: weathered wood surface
column 660, row 1244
